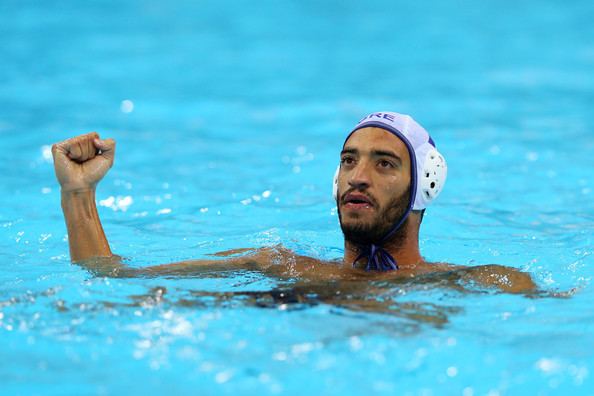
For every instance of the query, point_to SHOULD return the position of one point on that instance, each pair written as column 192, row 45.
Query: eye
column 385, row 164
column 347, row 160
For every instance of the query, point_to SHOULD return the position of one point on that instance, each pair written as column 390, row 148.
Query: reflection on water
column 403, row 304
column 344, row 299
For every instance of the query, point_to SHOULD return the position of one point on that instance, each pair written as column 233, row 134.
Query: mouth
column 357, row 201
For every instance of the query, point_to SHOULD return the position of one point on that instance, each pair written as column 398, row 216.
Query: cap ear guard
column 433, row 176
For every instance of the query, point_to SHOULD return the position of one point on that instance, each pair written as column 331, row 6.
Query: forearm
column 85, row 233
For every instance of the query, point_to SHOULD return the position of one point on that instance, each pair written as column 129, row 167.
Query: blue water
column 229, row 117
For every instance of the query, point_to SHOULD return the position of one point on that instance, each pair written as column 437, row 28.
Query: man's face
column 373, row 184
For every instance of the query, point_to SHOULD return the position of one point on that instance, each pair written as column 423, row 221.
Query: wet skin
column 284, row 265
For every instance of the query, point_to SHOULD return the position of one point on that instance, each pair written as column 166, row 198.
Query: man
column 389, row 172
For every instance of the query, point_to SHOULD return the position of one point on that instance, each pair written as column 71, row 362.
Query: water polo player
column 390, row 170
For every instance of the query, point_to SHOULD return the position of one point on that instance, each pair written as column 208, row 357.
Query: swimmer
column 390, row 170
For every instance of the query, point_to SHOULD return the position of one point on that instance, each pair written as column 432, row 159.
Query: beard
column 372, row 232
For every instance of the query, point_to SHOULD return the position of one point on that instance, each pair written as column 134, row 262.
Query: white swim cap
column 428, row 167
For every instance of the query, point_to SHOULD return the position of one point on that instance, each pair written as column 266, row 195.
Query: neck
column 406, row 253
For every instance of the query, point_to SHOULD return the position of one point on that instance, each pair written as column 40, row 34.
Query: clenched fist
column 81, row 162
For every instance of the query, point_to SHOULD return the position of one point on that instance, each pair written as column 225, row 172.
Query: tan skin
column 375, row 163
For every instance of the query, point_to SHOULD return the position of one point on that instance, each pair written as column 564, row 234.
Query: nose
column 359, row 176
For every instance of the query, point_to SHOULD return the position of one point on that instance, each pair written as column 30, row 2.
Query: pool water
column 229, row 117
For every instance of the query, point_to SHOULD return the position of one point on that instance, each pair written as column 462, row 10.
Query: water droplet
column 452, row 371
column 127, row 106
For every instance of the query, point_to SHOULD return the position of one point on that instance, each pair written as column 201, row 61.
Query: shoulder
column 503, row 278
column 507, row 279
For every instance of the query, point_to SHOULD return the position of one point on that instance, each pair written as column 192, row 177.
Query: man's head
column 389, row 167
column 373, row 184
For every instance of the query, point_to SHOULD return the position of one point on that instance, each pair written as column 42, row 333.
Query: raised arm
column 80, row 163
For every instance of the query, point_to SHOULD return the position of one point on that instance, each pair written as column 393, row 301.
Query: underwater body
column 229, row 118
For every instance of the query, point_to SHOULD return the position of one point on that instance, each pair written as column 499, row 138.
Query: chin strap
column 378, row 259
